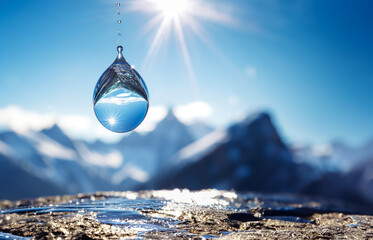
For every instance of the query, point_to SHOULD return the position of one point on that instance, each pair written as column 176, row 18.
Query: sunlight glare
column 112, row 121
column 181, row 17
column 172, row 8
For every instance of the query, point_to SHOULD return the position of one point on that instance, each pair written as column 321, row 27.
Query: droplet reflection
column 120, row 98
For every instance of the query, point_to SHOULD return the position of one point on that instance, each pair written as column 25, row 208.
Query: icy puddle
column 125, row 213
column 161, row 214
column 135, row 214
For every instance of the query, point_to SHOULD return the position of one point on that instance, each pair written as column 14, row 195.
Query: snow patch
column 55, row 150
column 112, row 159
column 50, row 148
column 5, row 149
column 322, row 150
column 202, row 147
column 130, row 171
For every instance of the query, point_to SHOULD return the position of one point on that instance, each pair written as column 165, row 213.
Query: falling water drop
column 120, row 98
column 119, row 21
column 118, row 4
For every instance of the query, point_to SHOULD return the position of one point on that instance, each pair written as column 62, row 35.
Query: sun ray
column 157, row 40
column 188, row 62
column 203, row 36
column 215, row 13
column 152, row 23
column 176, row 16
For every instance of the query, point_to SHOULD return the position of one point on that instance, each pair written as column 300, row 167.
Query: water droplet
column 119, row 21
column 120, row 98
column 119, row 34
column 118, row 4
column 118, row 13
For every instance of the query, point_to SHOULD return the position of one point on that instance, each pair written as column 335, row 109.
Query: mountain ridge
column 249, row 155
column 71, row 165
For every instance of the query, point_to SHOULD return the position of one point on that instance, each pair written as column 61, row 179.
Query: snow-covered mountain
column 152, row 151
column 355, row 185
column 250, row 155
column 334, row 157
column 59, row 164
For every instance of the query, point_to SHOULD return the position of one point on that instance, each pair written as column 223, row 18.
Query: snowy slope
column 250, row 155
column 333, row 157
column 66, row 166
column 47, row 159
column 71, row 166
column 152, row 151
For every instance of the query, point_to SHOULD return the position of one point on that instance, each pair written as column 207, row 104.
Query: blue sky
column 307, row 62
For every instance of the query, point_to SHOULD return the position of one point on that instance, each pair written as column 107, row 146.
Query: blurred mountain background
column 250, row 155
column 252, row 95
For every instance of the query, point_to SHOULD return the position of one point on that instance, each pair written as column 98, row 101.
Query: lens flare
column 172, row 8
column 174, row 16
column 112, row 121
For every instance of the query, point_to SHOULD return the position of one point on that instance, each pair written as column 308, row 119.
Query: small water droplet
column 118, row 30
column 120, row 98
column 120, row 49
column 118, row 4
column 118, row 13
column 119, row 21
column 119, row 34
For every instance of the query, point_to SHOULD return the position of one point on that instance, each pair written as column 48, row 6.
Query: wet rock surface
column 181, row 214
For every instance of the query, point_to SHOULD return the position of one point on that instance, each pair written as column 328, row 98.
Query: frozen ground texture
column 180, row 214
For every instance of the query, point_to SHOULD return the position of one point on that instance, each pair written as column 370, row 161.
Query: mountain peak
column 58, row 135
column 170, row 116
column 55, row 129
column 169, row 121
column 258, row 125
column 257, row 117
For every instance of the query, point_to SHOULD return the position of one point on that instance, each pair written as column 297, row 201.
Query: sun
column 174, row 16
column 112, row 121
column 172, row 8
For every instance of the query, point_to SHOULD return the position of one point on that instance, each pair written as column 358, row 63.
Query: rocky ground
column 181, row 214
